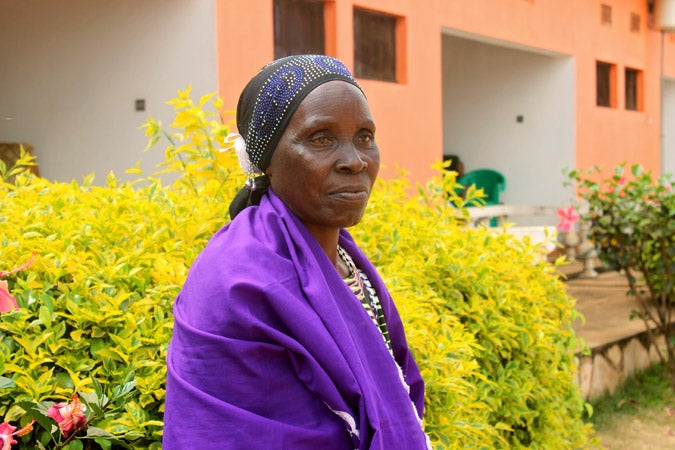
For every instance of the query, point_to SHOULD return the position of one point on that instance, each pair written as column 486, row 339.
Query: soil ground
column 639, row 415
column 649, row 429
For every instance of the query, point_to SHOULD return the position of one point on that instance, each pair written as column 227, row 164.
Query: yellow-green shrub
column 487, row 319
column 505, row 304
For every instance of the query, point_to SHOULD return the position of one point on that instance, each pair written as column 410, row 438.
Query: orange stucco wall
column 409, row 114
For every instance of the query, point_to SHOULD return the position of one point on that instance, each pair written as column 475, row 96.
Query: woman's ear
column 270, row 168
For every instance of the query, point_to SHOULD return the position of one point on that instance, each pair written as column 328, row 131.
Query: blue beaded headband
column 269, row 100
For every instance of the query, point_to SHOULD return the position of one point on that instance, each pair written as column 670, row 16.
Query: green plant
column 632, row 227
column 640, row 413
column 23, row 164
column 647, row 389
column 66, row 425
column 62, row 424
column 96, row 303
column 194, row 153
column 487, row 318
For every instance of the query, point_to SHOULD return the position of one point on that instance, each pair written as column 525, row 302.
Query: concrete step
column 617, row 346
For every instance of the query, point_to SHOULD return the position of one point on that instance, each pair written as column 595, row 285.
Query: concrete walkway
column 618, row 344
column 605, row 305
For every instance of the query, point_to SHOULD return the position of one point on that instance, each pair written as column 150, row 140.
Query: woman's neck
column 328, row 239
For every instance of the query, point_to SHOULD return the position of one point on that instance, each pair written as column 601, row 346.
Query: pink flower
column 7, row 301
column 69, row 416
column 620, row 183
column 7, row 433
column 567, row 218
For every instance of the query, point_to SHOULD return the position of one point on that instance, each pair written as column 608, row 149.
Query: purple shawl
column 271, row 349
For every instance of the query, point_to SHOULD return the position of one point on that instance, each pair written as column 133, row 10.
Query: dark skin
column 326, row 163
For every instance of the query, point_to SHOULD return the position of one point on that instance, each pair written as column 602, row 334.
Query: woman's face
column 327, row 160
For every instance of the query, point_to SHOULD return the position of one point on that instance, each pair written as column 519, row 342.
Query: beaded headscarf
column 265, row 108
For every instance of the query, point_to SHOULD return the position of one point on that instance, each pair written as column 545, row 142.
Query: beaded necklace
column 360, row 285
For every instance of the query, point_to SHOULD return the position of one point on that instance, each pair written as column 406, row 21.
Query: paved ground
column 607, row 308
column 605, row 305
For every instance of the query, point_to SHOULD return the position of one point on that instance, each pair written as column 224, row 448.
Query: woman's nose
column 351, row 158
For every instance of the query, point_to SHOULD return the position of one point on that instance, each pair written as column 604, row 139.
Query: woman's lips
column 358, row 194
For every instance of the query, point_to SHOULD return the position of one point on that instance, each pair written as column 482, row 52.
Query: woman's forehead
column 332, row 95
column 333, row 102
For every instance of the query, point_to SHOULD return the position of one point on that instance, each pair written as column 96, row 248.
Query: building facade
column 525, row 87
column 79, row 77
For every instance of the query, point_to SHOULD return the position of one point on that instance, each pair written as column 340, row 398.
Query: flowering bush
column 60, row 423
column 632, row 220
column 487, row 318
column 70, row 418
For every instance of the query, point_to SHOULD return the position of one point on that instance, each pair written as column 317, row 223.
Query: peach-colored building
column 525, row 87
column 512, row 85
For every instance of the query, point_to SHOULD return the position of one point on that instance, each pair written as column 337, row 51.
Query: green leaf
column 75, row 444
column 94, row 432
column 6, row 383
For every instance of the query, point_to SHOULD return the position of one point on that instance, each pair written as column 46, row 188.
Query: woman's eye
column 320, row 141
column 365, row 138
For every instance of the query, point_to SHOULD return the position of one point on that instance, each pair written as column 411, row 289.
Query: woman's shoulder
column 245, row 248
column 235, row 273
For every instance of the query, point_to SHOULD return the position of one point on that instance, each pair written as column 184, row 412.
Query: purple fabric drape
column 271, row 350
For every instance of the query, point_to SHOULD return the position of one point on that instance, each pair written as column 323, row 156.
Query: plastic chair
column 491, row 181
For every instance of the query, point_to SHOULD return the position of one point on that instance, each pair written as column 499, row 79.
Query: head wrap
column 266, row 106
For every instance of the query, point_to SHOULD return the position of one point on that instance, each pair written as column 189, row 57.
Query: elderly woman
column 285, row 336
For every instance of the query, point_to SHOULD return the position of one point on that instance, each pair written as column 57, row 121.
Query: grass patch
column 646, row 395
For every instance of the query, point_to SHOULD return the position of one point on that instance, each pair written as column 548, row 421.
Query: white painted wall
column 668, row 130
column 72, row 69
column 485, row 88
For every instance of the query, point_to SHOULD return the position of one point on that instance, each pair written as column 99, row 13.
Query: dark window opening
column 374, row 45
column 298, row 27
column 635, row 23
column 633, row 90
column 606, row 14
column 603, row 83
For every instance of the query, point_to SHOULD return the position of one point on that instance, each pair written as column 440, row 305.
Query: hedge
column 487, row 317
